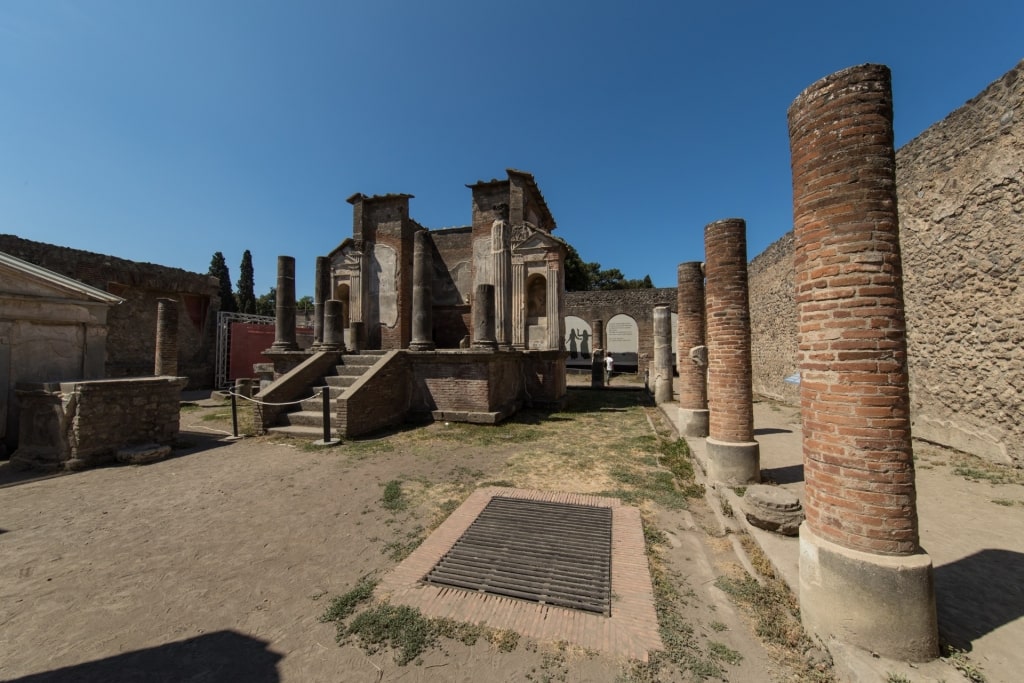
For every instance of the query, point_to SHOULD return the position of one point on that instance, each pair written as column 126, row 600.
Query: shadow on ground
column 219, row 657
column 978, row 594
column 790, row 474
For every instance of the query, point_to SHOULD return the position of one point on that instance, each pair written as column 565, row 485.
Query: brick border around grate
column 631, row 631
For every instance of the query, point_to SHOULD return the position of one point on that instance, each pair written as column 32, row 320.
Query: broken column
column 597, row 355
column 422, row 302
column 483, row 319
column 733, row 454
column 166, row 362
column 284, row 328
column 662, row 379
column 501, row 250
column 691, row 353
column 864, row 579
column 334, row 332
column 321, row 292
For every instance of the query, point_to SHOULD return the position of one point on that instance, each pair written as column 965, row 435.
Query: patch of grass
column 393, row 499
column 896, row 678
column 402, row 628
column 216, row 417
column 189, row 407
column 1006, row 502
column 726, row 508
column 369, row 446
column 962, row 663
column 724, row 653
column 718, row 626
column 345, row 605
column 977, row 469
column 504, row 483
column 398, row 550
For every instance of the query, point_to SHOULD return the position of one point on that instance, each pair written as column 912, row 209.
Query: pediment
column 538, row 241
column 24, row 279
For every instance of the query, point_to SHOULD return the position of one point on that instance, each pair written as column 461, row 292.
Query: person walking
column 609, row 366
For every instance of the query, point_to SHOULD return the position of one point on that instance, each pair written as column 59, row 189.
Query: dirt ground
column 217, row 563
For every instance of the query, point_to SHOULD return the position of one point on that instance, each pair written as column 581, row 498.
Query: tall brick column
column 597, row 354
column 691, row 353
column 734, row 456
column 166, row 362
column 422, row 300
column 284, row 328
column 662, row 375
column 864, row 579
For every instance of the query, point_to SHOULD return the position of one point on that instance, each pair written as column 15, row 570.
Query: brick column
column 662, row 375
column 284, row 328
column 864, row 579
column 166, row 362
column 422, row 301
column 733, row 454
column 691, row 353
column 334, row 337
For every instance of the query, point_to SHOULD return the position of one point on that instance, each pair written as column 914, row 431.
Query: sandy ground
column 215, row 565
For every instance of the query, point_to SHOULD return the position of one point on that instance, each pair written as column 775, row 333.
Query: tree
column 304, row 308
column 219, row 269
column 267, row 303
column 581, row 276
column 577, row 276
column 246, row 285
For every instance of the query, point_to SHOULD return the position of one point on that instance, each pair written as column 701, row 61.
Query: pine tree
column 219, row 269
column 246, row 296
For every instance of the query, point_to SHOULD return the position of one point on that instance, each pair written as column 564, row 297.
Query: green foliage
column 345, row 605
column 393, row 498
column 246, row 295
column 402, row 628
column 581, row 276
column 267, row 303
column 219, row 269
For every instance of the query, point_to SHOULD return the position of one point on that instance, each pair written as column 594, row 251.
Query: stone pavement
column 976, row 546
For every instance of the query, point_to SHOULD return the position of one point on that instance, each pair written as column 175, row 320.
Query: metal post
column 327, row 413
column 234, row 414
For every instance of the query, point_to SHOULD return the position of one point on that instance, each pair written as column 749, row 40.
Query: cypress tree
column 246, row 286
column 219, row 269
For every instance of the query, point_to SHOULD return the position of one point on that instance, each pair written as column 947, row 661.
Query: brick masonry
column 131, row 326
column 960, row 188
column 693, row 393
column 854, row 398
column 730, row 395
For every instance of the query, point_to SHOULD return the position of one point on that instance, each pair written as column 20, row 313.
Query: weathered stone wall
column 960, row 188
column 452, row 284
column 636, row 303
column 773, row 321
column 84, row 424
column 131, row 326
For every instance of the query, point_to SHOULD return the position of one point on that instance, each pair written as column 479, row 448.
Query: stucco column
column 501, row 235
column 556, row 339
column 691, row 352
column 284, row 329
column 422, row 301
column 518, row 304
column 864, row 579
column 662, row 379
column 597, row 354
column 733, row 454
column 483, row 319
column 166, row 338
column 321, row 292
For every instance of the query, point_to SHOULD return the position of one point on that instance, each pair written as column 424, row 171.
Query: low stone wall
column 379, row 399
column 75, row 425
column 304, row 369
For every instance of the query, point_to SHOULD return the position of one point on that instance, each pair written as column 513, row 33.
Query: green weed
column 393, row 498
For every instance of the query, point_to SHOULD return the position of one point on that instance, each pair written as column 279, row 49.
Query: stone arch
column 536, row 296
column 342, row 293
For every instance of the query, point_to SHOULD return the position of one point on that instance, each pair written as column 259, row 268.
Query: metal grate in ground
column 545, row 552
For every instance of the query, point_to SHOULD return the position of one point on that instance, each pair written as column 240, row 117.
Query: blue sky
column 166, row 130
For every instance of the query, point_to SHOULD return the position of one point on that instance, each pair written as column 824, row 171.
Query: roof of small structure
column 57, row 280
column 531, row 183
column 360, row 197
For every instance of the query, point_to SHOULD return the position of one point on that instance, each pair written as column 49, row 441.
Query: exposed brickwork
column 166, row 361
column 131, row 326
column 961, row 211
column 693, row 393
column 730, row 394
column 858, row 461
column 382, row 402
column 636, row 303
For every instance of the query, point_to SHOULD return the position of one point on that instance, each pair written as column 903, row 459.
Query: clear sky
column 166, row 130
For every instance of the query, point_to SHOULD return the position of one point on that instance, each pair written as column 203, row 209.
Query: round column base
column 733, row 463
column 882, row 603
column 693, row 422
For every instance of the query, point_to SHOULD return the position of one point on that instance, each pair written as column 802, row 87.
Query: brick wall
column 131, row 336
column 636, row 303
column 961, row 210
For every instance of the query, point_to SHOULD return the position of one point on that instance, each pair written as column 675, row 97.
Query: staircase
column 305, row 420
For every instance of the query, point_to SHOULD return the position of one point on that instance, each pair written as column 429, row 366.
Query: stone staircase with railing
column 305, row 420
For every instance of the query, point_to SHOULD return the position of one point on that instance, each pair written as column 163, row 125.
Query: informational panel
column 623, row 339
column 578, row 342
